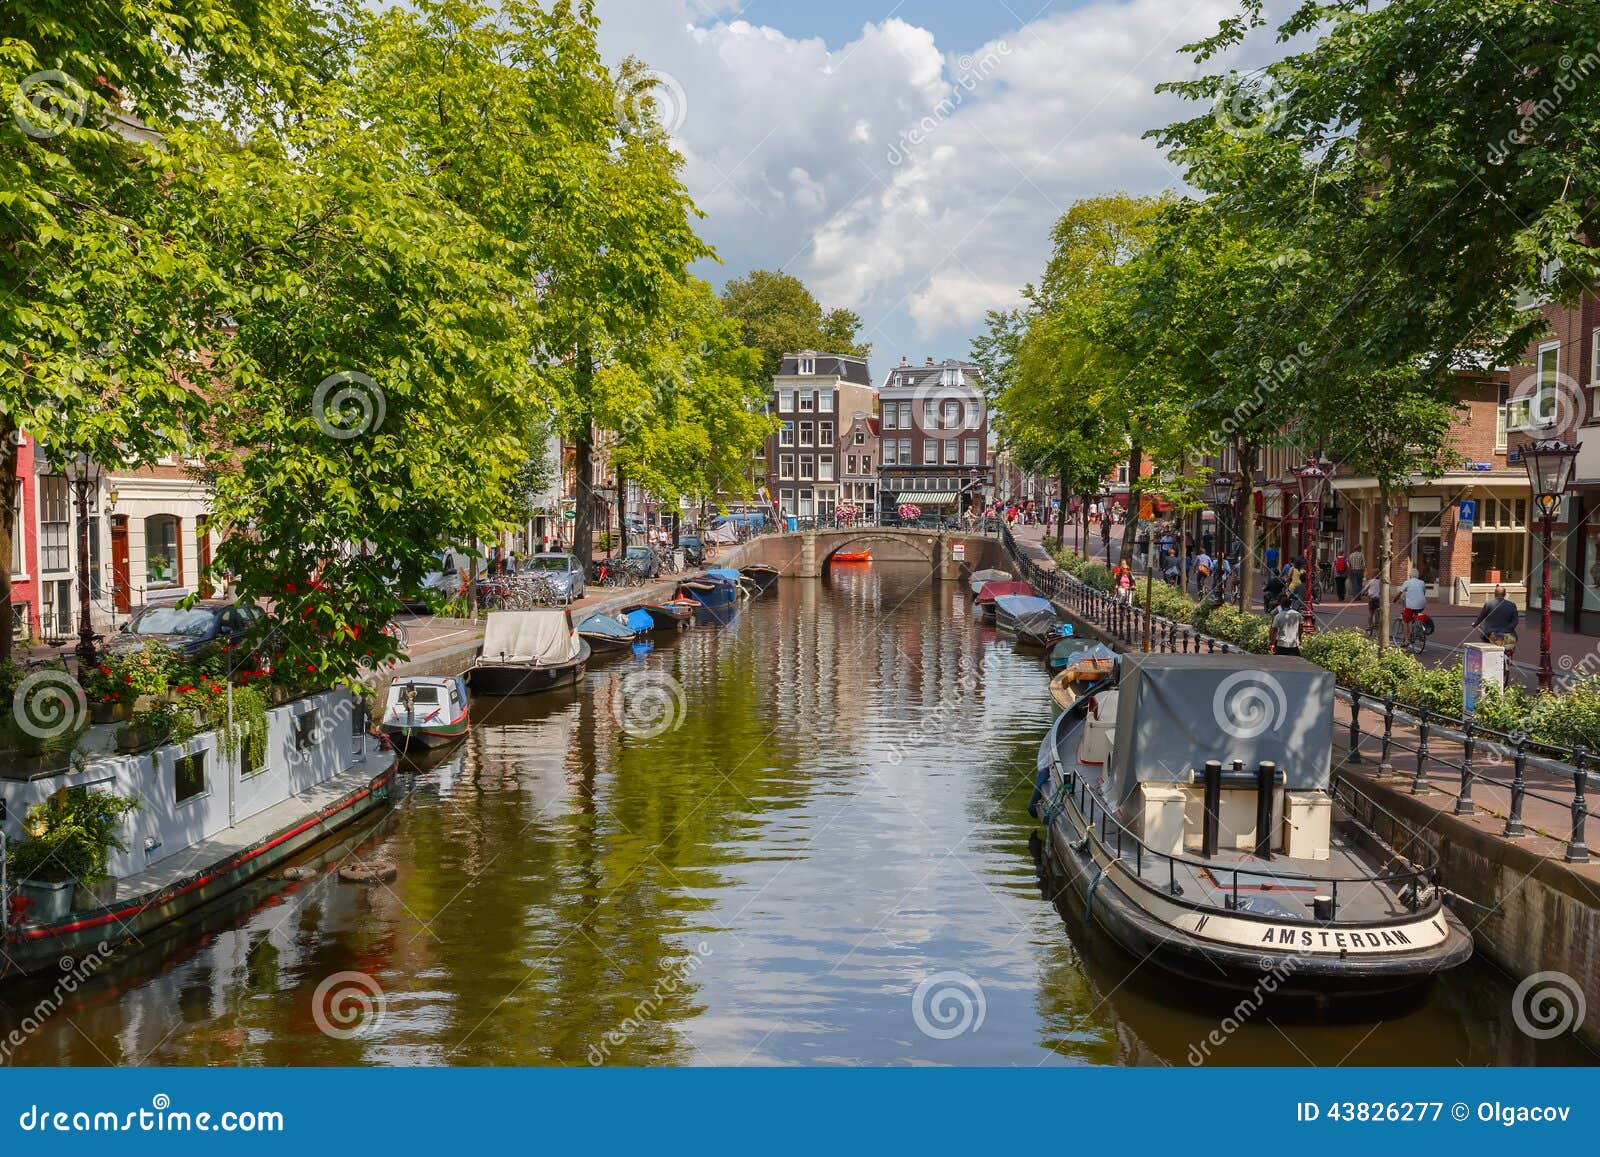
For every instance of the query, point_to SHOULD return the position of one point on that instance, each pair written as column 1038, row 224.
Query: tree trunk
column 1061, row 514
column 622, row 515
column 8, row 515
column 1247, row 524
column 583, row 469
column 1130, row 528
column 1385, row 546
column 472, row 582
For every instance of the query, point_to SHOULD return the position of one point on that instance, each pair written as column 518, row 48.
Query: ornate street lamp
column 84, row 475
column 1313, row 476
column 1219, row 494
column 1549, row 466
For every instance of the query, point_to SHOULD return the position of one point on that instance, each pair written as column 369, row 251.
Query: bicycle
column 1413, row 635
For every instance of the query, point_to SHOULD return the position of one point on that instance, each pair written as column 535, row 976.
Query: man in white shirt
column 1285, row 630
column 1413, row 599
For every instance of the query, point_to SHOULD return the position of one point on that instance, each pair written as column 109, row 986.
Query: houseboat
column 528, row 651
column 208, row 821
column 425, row 711
column 1188, row 799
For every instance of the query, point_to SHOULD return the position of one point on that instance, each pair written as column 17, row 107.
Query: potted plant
column 62, row 862
column 149, row 728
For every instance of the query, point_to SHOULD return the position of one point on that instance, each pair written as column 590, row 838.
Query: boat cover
column 1069, row 650
column 641, row 620
column 723, row 572
column 544, row 637
column 1174, row 712
column 988, row 576
column 609, row 627
column 1018, row 607
column 727, row 533
column 991, row 591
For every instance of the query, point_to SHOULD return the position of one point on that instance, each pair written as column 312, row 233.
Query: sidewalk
column 1569, row 652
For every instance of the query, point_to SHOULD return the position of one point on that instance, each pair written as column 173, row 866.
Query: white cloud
column 914, row 184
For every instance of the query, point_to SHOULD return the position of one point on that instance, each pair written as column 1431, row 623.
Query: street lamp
column 84, row 476
column 1549, row 466
column 1219, row 493
column 1313, row 475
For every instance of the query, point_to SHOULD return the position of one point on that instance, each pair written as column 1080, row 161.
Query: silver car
column 562, row 571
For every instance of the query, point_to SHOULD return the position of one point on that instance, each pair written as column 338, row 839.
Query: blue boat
column 605, row 633
column 711, row 589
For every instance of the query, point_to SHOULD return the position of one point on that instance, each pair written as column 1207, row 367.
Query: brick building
column 860, row 452
column 935, row 431
column 810, row 393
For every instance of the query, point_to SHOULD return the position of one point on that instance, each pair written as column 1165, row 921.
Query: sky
column 907, row 160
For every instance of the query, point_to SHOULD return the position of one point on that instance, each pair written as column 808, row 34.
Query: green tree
column 779, row 315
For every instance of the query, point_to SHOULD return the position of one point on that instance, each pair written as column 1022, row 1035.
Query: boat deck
column 248, row 832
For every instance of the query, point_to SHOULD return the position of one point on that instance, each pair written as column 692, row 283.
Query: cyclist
column 1372, row 591
column 1412, row 596
column 1497, row 624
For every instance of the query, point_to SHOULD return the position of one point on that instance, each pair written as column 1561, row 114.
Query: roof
column 846, row 366
column 906, row 380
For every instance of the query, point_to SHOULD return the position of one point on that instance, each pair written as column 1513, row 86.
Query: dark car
column 694, row 550
column 186, row 629
column 644, row 560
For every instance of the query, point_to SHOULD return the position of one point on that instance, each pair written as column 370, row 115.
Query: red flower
column 312, row 668
column 127, row 678
column 105, row 670
column 185, row 687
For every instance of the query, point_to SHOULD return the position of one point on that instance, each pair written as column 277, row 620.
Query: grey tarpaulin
column 1177, row 711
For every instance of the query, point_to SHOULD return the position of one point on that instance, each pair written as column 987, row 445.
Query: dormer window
column 808, row 365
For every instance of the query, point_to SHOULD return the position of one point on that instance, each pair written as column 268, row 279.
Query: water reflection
column 834, row 817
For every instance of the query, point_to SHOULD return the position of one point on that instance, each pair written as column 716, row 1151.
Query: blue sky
column 908, row 160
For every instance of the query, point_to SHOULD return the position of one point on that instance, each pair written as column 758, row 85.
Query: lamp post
column 1549, row 464
column 1219, row 494
column 84, row 476
column 1312, row 476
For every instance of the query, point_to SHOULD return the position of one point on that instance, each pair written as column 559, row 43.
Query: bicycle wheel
column 1419, row 638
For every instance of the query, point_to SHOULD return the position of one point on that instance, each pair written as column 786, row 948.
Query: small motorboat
column 674, row 615
column 1190, row 804
column 711, row 589
column 609, row 633
column 852, row 556
column 979, row 578
column 1064, row 652
column 991, row 591
column 528, row 651
column 425, row 711
column 761, row 576
column 1070, row 683
column 1029, row 610
column 1041, row 629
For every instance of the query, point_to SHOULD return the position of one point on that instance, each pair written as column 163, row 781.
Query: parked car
column 645, row 560
column 694, row 550
column 186, row 629
column 562, row 571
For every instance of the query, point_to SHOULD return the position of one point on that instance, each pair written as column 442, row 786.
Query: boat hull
column 719, row 594
column 667, row 618
column 1312, row 966
column 423, row 739
column 607, row 642
column 39, row 947
column 506, row 679
column 764, row 578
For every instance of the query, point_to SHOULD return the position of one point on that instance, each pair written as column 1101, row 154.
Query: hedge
column 1570, row 719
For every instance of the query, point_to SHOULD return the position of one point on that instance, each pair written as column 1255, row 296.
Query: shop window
column 161, row 550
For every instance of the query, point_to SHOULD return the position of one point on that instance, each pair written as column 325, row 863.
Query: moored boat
column 761, row 576
column 710, row 590
column 528, row 651
column 852, row 556
column 608, row 633
column 991, row 591
column 425, row 711
column 979, row 578
column 1012, row 610
column 674, row 615
column 1189, row 801
column 1066, row 651
column 1074, row 680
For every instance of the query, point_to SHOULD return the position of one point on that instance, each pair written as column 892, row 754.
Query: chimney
column 930, row 361
column 903, row 360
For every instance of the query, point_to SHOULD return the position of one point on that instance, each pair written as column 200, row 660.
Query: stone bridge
column 949, row 554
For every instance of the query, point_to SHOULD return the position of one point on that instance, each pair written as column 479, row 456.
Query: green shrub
column 1346, row 653
column 1570, row 719
column 1436, row 688
column 1505, row 711
column 1098, row 576
column 70, row 836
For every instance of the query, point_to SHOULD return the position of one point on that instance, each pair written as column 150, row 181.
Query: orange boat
column 853, row 556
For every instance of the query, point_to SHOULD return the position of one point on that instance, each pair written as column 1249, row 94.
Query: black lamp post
column 1549, row 465
column 1219, row 494
column 84, row 476
column 1312, row 477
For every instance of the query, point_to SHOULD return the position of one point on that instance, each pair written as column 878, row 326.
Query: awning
column 929, row 498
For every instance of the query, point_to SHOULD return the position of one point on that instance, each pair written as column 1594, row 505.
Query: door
column 121, row 593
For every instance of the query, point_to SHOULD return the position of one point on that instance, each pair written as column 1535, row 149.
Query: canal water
column 797, row 838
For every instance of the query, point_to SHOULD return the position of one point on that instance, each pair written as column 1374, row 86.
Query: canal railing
column 1453, row 754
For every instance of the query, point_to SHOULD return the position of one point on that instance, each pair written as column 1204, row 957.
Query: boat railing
column 1112, row 834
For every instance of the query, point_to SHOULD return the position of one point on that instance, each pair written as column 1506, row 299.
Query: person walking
column 1272, row 559
column 1358, row 569
column 1341, row 572
column 1202, row 572
column 1124, row 580
column 1285, row 630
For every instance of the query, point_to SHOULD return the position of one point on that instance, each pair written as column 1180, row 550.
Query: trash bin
column 794, row 523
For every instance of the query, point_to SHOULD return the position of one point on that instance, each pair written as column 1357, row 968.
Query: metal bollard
column 1388, row 728
column 1464, row 804
column 1577, row 848
column 1519, row 789
column 1419, row 781
column 1355, row 727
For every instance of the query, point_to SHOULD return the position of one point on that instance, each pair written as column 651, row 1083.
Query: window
column 974, row 417
column 808, row 401
column 808, row 468
column 969, row 452
column 808, row 365
column 161, row 550
column 889, row 458
column 189, row 777
column 889, row 417
column 307, row 729
column 785, row 465
column 19, row 556
column 930, row 415
column 786, row 434
column 825, row 401
column 950, row 451
column 785, row 401
column 805, row 504
column 808, row 434
column 54, row 517
column 861, row 437
column 866, row 464
column 1549, row 373
column 930, row 452
column 951, row 376
column 825, row 468
column 825, row 433
column 951, row 416
column 905, row 415
column 786, row 502
column 905, row 451
column 850, row 464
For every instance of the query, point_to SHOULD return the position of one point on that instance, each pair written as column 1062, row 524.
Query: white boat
column 425, row 711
